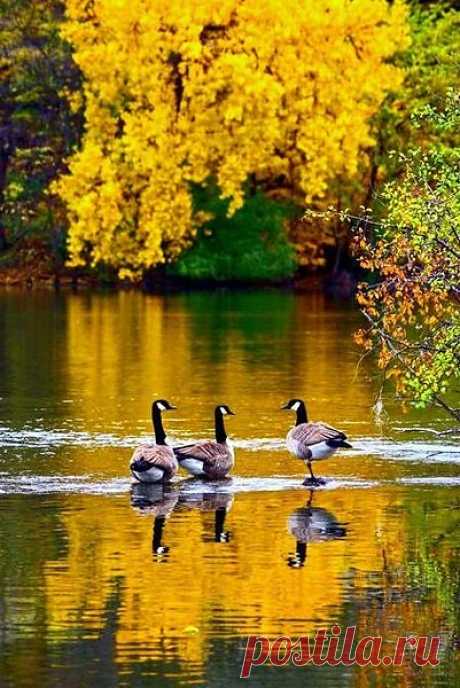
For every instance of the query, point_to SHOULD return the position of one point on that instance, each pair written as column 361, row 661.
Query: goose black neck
column 301, row 414
column 160, row 435
column 158, row 526
column 219, row 523
column 221, row 435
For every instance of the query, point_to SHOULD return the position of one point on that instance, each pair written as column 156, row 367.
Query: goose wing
column 308, row 434
column 201, row 451
column 216, row 456
column 154, row 455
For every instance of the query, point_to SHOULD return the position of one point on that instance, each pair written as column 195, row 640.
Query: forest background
column 164, row 144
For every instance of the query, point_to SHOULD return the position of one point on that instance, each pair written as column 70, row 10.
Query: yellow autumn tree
column 177, row 93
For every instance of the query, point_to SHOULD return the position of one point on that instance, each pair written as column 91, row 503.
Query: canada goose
column 312, row 441
column 211, row 460
column 155, row 463
column 152, row 500
column 312, row 524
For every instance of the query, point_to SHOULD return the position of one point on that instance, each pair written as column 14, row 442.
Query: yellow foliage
column 177, row 93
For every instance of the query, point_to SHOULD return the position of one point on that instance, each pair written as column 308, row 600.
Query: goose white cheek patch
column 161, row 406
column 223, row 411
column 296, row 406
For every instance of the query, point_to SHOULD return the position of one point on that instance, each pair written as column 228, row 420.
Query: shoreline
column 31, row 266
column 341, row 284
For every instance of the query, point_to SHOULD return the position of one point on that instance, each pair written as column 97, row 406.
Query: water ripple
column 414, row 450
column 87, row 484
column 46, row 484
column 42, row 438
column 427, row 452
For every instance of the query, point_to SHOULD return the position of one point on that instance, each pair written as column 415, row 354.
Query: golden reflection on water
column 87, row 568
column 230, row 579
column 169, row 610
column 251, row 349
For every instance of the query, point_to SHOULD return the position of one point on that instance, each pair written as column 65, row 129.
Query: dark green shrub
column 249, row 246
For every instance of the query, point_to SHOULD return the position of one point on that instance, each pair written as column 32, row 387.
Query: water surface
column 103, row 584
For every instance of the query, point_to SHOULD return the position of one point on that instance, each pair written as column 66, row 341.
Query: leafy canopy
column 176, row 93
column 430, row 66
column 37, row 127
column 413, row 309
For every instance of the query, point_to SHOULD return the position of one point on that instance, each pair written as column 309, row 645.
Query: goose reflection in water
column 218, row 502
column 312, row 524
column 155, row 500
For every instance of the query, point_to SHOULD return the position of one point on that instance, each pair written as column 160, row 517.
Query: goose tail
column 339, row 443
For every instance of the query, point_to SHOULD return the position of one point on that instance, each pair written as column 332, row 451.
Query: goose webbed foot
column 314, row 482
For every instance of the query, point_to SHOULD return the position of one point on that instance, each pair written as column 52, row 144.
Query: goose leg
column 313, row 480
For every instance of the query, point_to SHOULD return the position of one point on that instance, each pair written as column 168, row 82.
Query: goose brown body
column 155, row 463
column 213, row 460
column 312, row 441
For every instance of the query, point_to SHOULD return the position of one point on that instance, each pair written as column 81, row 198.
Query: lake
column 105, row 584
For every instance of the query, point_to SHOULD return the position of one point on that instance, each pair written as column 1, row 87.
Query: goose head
column 224, row 410
column 293, row 405
column 163, row 405
column 298, row 406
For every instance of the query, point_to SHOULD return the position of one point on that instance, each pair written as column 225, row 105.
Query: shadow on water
column 308, row 525
column 160, row 501
column 249, row 319
column 156, row 501
column 32, row 357
column 218, row 503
